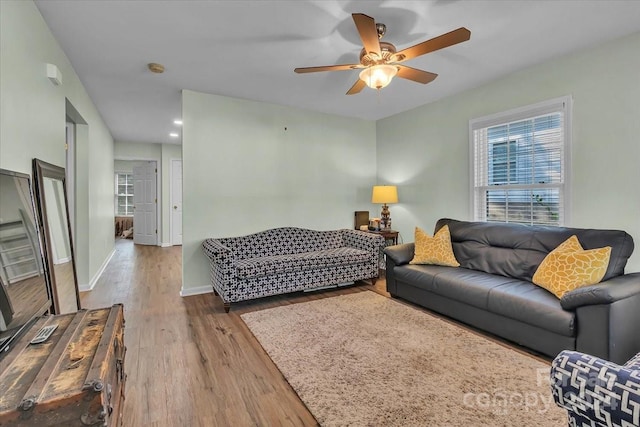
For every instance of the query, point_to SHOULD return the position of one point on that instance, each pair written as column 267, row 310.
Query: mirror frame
column 42, row 170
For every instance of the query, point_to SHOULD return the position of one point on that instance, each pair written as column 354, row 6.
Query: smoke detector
column 156, row 68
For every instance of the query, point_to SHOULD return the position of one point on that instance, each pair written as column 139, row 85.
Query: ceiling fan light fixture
column 378, row 76
column 380, row 62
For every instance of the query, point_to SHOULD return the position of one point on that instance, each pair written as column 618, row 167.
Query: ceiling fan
column 380, row 61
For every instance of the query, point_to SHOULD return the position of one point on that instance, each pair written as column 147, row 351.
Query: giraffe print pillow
column 434, row 250
column 569, row 267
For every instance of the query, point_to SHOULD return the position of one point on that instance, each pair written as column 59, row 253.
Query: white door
column 144, row 203
column 176, row 202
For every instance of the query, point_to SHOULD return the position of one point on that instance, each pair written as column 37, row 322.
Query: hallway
column 189, row 363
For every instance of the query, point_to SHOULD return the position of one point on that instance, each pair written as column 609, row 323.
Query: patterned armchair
column 289, row 259
column 596, row 392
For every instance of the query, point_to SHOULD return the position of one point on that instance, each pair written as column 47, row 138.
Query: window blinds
column 520, row 164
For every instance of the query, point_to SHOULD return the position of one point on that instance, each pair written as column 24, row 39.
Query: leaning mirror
column 53, row 211
column 23, row 288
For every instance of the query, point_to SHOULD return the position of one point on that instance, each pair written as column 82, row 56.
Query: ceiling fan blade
column 416, row 75
column 366, row 26
column 449, row 39
column 328, row 68
column 357, row 87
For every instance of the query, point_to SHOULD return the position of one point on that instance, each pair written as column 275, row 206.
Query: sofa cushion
column 569, row 267
column 276, row 264
column 468, row 286
column 434, row 250
column 533, row 305
column 508, row 297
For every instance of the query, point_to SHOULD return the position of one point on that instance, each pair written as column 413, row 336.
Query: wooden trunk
column 75, row 378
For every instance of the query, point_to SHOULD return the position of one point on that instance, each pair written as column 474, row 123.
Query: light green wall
column 125, row 152
column 32, row 125
column 250, row 166
column 426, row 150
column 125, row 166
column 243, row 172
column 32, row 110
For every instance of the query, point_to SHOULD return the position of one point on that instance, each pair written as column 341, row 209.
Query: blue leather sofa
column 492, row 289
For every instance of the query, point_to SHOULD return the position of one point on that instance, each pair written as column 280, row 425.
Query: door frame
column 70, row 168
column 158, row 188
column 171, row 160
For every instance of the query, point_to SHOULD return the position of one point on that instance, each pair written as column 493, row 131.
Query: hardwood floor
column 25, row 296
column 188, row 362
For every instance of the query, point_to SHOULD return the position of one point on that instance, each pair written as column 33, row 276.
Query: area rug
column 366, row 360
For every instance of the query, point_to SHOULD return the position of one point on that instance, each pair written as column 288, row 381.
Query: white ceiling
column 248, row 49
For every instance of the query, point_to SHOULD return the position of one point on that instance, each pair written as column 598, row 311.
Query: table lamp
column 385, row 194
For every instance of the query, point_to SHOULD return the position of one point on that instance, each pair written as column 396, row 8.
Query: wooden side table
column 391, row 235
column 390, row 238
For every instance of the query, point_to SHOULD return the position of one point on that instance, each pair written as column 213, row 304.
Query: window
column 124, row 194
column 520, row 164
column 503, row 163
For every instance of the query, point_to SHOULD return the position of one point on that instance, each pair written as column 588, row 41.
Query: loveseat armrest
column 222, row 269
column 357, row 239
column 607, row 292
column 595, row 390
column 216, row 251
column 400, row 254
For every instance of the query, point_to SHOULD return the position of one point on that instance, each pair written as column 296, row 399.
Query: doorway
column 137, row 198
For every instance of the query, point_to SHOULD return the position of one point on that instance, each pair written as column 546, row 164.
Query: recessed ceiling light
column 173, row 134
column 177, row 122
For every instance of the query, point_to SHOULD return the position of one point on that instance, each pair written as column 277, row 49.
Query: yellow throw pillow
column 435, row 250
column 572, row 244
column 569, row 267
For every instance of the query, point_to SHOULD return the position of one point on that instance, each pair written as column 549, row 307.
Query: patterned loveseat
column 596, row 392
column 289, row 259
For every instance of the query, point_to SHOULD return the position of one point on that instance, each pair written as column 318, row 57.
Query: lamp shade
column 384, row 194
column 378, row 76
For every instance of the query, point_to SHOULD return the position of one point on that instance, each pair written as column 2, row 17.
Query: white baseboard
column 196, row 291
column 83, row 287
column 165, row 245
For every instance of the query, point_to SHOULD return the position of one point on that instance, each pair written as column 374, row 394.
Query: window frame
column 117, row 195
column 562, row 104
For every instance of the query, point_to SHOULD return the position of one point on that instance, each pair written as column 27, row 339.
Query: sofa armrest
column 594, row 389
column 607, row 292
column 222, row 268
column 400, row 254
column 369, row 242
column 216, row 251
